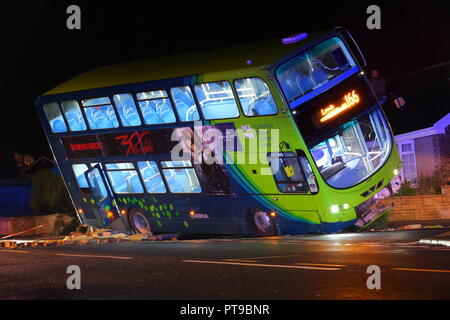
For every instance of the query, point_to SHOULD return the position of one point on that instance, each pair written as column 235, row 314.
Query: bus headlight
column 335, row 208
column 395, row 172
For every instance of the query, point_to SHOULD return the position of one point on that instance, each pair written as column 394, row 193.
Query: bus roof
column 263, row 53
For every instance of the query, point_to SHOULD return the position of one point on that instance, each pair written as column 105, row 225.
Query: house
column 424, row 150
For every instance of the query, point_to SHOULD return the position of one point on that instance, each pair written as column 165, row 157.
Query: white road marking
column 92, row 256
column 261, row 265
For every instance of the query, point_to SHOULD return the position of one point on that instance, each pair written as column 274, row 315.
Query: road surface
column 293, row 267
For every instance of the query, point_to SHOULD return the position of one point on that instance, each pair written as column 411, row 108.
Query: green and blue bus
column 328, row 145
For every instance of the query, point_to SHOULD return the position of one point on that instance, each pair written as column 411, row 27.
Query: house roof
column 438, row 128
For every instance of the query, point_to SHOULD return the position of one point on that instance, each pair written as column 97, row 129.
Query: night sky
column 38, row 52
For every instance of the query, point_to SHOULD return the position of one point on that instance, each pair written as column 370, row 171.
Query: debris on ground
column 93, row 236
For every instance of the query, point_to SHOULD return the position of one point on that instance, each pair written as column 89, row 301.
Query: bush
column 406, row 190
column 49, row 194
column 432, row 184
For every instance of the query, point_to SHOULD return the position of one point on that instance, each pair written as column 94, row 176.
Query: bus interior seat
column 164, row 111
column 304, row 83
column 130, row 115
column 218, row 110
column 332, row 170
column 289, row 85
column 99, row 118
column 319, row 76
column 73, row 122
column 58, row 126
column 264, row 107
column 150, row 116
column 185, row 105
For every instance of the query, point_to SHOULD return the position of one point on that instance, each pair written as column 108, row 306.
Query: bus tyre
column 262, row 223
column 138, row 221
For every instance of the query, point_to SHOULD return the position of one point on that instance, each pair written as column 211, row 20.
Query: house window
column 407, row 154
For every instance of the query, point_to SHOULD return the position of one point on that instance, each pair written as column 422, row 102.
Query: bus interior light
column 294, row 38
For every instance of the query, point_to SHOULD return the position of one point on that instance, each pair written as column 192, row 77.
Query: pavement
column 318, row 267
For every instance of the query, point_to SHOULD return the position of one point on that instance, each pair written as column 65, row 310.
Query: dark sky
column 38, row 52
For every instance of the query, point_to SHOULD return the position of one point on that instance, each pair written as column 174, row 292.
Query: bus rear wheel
column 139, row 222
column 262, row 223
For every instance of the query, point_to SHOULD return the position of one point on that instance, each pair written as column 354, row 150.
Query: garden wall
column 418, row 208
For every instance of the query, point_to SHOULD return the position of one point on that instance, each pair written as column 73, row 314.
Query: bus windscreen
column 314, row 70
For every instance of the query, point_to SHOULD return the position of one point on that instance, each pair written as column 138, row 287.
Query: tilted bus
column 111, row 133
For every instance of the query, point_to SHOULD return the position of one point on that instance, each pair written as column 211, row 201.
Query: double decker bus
column 113, row 132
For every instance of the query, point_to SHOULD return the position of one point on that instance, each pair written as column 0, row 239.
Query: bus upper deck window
column 73, row 115
column 100, row 113
column 185, row 103
column 216, row 100
column 127, row 110
column 156, row 107
column 318, row 66
column 255, row 97
column 54, row 117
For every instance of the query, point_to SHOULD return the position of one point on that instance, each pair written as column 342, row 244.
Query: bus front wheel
column 262, row 223
column 139, row 222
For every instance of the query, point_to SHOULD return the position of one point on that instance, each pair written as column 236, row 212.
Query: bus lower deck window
column 79, row 170
column 123, row 178
column 181, row 177
column 152, row 178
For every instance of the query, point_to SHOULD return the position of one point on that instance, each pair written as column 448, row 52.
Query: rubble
column 93, row 236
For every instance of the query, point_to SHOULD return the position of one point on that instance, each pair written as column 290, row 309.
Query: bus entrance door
column 103, row 197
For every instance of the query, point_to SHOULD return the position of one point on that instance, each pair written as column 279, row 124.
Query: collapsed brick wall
column 51, row 223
